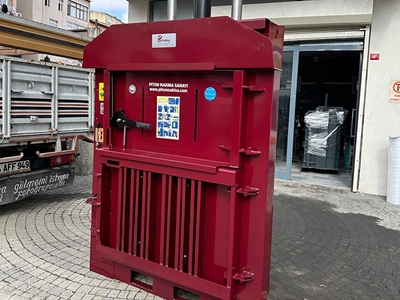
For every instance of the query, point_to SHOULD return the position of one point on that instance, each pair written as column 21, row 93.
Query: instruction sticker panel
column 168, row 122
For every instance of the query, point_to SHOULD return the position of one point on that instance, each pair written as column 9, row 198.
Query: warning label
column 395, row 91
column 168, row 122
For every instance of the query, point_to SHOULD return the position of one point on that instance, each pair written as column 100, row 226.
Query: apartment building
column 338, row 53
column 100, row 21
column 64, row 14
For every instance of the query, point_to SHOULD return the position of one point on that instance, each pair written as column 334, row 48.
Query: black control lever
column 120, row 121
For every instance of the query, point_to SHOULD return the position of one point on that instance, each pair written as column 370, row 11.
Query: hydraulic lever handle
column 120, row 121
column 131, row 123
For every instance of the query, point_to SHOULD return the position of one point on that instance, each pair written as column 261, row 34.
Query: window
column 60, row 5
column 77, row 10
column 46, row 2
column 72, row 26
column 53, row 22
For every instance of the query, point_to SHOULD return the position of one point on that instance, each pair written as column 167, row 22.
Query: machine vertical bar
column 131, row 211
column 237, row 118
column 136, row 228
column 197, row 240
column 171, row 9
column 143, row 214
column 124, row 208
column 182, row 242
column 178, row 221
column 148, row 211
column 231, row 237
column 162, row 217
column 119, row 208
column 202, row 8
column 237, row 9
column 168, row 220
column 191, row 225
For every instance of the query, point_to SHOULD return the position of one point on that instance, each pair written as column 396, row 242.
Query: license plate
column 15, row 167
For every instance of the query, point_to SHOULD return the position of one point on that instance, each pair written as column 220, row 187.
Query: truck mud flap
column 17, row 187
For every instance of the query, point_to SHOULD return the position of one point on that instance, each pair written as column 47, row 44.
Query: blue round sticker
column 210, row 93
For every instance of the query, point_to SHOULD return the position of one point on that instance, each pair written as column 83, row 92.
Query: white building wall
column 51, row 12
column 25, row 8
column 382, row 118
column 138, row 11
column 313, row 14
column 306, row 13
column 37, row 12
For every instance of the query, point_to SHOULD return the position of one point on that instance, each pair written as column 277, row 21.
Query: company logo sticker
column 163, row 40
column 210, row 93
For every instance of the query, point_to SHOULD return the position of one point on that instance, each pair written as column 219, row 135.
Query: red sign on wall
column 374, row 56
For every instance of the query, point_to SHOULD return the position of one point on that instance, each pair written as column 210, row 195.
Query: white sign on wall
column 395, row 91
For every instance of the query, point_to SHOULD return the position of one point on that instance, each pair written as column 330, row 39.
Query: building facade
column 64, row 14
column 100, row 21
column 338, row 54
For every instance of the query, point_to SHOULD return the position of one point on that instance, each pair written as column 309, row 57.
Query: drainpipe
column 237, row 9
column 202, row 8
column 171, row 9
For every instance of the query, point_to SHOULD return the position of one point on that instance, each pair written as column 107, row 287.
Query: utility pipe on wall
column 237, row 9
column 171, row 9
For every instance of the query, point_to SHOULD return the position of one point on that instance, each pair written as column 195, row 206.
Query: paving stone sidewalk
column 327, row 244
column 334, row 244
column 44, row 249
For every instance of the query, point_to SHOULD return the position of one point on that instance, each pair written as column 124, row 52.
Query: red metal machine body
column 186, row 115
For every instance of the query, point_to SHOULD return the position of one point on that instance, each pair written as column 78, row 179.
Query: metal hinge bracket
column 248, row 191
column 252, row 88
column 226, row 148
column 249, row 151
column 93, row 201
column 244, row 276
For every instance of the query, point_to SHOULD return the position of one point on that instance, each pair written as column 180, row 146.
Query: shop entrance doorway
column 318, row 80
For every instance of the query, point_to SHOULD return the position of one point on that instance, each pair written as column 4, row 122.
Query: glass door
column 286, row 131
column 287, row 104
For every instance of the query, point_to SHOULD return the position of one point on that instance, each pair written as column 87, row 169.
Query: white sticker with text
column 163, row 40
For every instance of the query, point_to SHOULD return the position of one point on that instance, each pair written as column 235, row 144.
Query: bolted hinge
column 250, row 152
column 248, row 191
column 252, row 88
column 226, row 148
column 244, row 276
